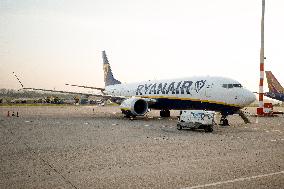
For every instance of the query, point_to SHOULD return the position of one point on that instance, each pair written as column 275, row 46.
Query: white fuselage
column 182, row 93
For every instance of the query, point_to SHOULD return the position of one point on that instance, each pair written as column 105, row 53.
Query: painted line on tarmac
column 235, row 180
column 276, row 140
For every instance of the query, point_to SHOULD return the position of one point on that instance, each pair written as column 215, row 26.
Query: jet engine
column 134, row 107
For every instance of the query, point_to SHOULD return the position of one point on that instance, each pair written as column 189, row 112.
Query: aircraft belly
column 181, row 104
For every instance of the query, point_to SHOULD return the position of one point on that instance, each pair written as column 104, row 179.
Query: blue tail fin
column 108, row 76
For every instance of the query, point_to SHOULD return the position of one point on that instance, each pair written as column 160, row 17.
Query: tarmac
column 96, row 147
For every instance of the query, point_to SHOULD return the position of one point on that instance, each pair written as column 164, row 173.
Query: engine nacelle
column 134, row 107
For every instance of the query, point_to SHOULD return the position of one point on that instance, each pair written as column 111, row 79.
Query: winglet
column 18, row 80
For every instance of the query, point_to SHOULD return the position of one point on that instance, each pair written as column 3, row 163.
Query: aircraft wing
column 116, row 99
column 64, row 92
column 86, row 87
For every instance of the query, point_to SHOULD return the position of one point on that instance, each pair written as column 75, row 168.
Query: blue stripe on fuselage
column 181, row 104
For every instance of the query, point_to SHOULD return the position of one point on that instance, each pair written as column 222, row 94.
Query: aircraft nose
column 250, row 97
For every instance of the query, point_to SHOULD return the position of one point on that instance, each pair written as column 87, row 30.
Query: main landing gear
column 165, row 113
column 224, row 121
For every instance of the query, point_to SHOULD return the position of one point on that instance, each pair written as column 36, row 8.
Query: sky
column 48, row 43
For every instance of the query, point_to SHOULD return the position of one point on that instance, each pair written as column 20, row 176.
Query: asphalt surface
column 95, row 147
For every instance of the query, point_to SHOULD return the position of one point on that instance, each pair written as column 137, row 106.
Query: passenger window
column 225, row 85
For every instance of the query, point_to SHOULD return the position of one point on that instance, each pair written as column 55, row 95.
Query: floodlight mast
column 261, row 61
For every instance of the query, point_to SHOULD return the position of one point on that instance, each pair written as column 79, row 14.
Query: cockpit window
column 229, row 86
column 237, row 85
column 225, row 85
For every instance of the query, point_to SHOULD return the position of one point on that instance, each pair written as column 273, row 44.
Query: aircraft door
column 208, row 90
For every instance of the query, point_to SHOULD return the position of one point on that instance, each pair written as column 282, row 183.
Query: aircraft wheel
column 224, row 121
column 208, row 129
column 165, row 113
column 179, row 127
column 127, row 116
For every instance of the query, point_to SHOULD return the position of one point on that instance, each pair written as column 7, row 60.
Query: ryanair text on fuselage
column 181, row 87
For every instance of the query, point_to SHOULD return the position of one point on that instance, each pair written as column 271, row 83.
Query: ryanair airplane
column 220, row 94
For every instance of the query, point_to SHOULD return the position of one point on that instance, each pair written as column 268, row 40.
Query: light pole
column 261, row 67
